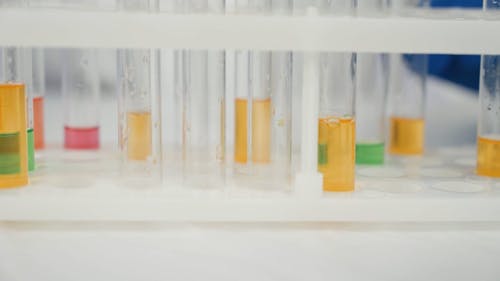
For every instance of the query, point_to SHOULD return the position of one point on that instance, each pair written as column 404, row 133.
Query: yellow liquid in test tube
column 336, row 153
column 13, row 136
column 488, row 157
column 241, row 132
column 139, row 135
column 406, row 136
column 261, row 131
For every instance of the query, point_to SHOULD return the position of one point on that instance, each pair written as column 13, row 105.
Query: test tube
column 17, row 68
column 336, row 125
column 139, row 103
column 253, row 97
column 200, row 79
column 38, row 97
column 407, row 90
column 262, row 140
column 13, row 136
column 80, row 90
column 371, row 89
column 488, row 140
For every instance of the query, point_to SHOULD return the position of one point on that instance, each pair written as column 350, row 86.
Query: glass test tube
column 371, row 89
column 139, row 103
column 488, row 140
column 336, row 139
column 80, row 90
column 38, row 97
column 200, row 78
column 17, row 68
column 336, row 124
column 407, row 90
column 13, row 136
column 262, row 140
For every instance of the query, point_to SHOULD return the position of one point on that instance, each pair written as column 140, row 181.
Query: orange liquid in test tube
column 488, row 157
column 261, row 131
column 139, row 135
column 38, row 122
column 336, row 153
column 406, row 136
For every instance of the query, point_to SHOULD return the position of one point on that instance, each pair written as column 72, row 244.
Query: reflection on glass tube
column 13, row 144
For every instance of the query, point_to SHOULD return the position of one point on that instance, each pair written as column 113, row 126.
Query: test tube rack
column 440, row 188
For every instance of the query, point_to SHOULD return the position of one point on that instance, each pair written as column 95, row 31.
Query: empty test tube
column 13, row 136
column 139, row 103
column 200, row 80
column 371, row 89
column 80, row 91
column 488, row 140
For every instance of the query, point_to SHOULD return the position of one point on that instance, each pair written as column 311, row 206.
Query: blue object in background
column 460, row 69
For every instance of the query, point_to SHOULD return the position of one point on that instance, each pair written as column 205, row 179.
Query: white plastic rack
column 437, row 34
column 442, row 188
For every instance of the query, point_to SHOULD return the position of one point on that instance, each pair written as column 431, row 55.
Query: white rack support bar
column 137, row 208
column 51, row 28
column 308, row 179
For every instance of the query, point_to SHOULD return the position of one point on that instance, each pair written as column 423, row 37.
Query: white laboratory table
column 249, row 252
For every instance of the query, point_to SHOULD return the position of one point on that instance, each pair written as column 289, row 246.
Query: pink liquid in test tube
column 81, row 138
